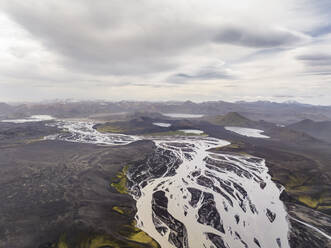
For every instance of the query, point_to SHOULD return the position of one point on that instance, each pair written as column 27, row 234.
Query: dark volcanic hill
column 284, row 134
column 318, row 129
column 236, row 119
column 232, row 119
column 5, row 108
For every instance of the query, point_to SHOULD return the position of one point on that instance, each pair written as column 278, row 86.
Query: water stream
column 188, row 196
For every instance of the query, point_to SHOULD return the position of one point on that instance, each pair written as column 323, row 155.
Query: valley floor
column 57, row 194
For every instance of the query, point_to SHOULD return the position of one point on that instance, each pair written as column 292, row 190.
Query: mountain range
column 317, row 129
column 280, row 113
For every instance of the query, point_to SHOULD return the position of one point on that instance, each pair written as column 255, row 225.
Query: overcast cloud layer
column 166, row 50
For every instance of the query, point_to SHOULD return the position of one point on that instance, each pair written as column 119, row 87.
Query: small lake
column 33, row 118
column 249, row 132
column 161, row 124
column 191, row 131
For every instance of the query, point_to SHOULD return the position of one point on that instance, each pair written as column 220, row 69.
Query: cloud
column 207, row 69
column 106, row 37
column 145, row 49
column 140, row 37
column 316, row 59
column 204, row 75
column 259, row 37
column 322, row 30
column 284, row 96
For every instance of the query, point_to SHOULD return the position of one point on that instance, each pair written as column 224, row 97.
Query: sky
column 159, row 50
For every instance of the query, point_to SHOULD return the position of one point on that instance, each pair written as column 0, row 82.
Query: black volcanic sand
column 303, row 168
column 13, row 134
column 52, row 189
column 299, row 162
column 283, row 166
